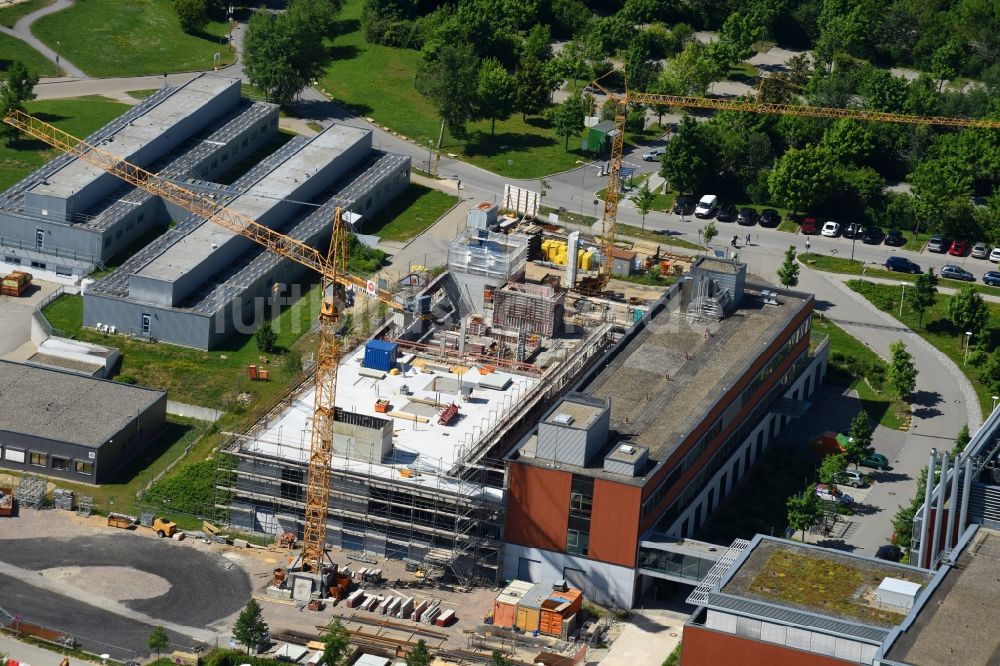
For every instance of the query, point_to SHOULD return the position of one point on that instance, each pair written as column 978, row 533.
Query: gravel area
column 115, row 583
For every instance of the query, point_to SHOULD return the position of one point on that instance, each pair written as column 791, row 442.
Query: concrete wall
column 130, row 440
column 607, row 584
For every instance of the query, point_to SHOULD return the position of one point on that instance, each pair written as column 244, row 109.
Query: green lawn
column 142, row 94
column 410, row 213
column 10, row 15
column 208, row 378
column 627, row 230
column 854, row 365
column 937, row 329
column 741, row 71
column 135, row 38
column 79, row 116
column 377, row 82
column 12, row 48
column 823, row 262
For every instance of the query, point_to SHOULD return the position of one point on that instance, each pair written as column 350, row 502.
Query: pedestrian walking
column 807, row 245
column 748, row 240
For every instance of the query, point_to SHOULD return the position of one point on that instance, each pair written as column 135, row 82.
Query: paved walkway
column 646, row 639
column 29, row 654
column 22, row 31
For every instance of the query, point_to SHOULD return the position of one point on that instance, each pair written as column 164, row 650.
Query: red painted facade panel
column 704, row 647
column 614, row 523
column 538, row 506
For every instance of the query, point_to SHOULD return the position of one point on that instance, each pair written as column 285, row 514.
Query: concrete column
column 952, row 508
column 572, row 247
column 939, row 514
column 928, row 489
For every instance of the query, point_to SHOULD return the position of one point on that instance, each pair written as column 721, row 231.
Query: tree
column 449, row 82
column 158, row 641
column 280, row 52
column 250, row 629
column 18, row 88
column 788, row 273
column 968, row 311
column 690, row 72
column 497, row 659
column 686, row 161
column 802, row 178
column 939, row 185
column 495, row 92
column 643, row 200
column 902, row 373
column 336, row 644
column 961, row 440
column 921, row 296
column 803, row 510
column 859, row 438
column 709, row 232
column 989, row 374
column 265, row 337
column 292, row 362
column 902, row 522
column 532, row 88
column 567, row 118
column 193, row 14
column 419, row 655
column 832, row 467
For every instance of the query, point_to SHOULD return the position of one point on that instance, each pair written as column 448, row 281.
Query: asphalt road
column 204, row 590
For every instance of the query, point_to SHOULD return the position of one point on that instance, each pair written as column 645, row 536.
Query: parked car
column 995, row 255
column 980, row 250
column 770, row 218
column 875, row 461
column 747, row 217
column 809, row 227
column 706, row 206
column 889, row 553
column 938, row 244
column 871, row 236
column 959, row 248
column 852, row 478
column 853, row 230
column 895, row 238
column 992, row 278
column 683, row 206
column 831, row 229
column 954, row 272
column 653, row 155
column 828, row 494
column 902, row 265
column 727, row 212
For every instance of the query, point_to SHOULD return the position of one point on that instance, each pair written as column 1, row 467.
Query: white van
column 706, row 206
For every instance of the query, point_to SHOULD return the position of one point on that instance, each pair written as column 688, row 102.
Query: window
column 576, row 542
column 14, row 455
column 81, row 467
column 38, row 264
column 39, row 239
column 12, row 260
column 39, row 459
column 147, row 319
column 61, row 464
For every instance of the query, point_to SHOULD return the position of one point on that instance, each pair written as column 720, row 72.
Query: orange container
column 505, row 605
column 558, row 609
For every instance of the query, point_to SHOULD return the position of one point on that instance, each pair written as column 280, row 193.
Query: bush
column 292, row 362
column 977, row 358
column 125, row 378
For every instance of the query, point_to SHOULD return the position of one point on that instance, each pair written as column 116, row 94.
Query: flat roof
column 583, row 415
column 428, row 447
column 133, row 136
column 67, row 407
column 281, row 182
column 819, row 580
column 666, row 379
column 957, row 623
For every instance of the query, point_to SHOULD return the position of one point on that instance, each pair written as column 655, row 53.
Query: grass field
column 630, row 231
column 12, row 48
column 139, row 37
column 11, row 15
column 390, row 98
column 855, row 366
column 410, row 213
column 937, row 329
column 79, row 116
column 824, row 262
column 207, row 378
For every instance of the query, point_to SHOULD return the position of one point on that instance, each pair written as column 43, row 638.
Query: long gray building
column 65, row 425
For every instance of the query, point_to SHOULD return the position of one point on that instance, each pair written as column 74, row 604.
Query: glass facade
column 581, row 501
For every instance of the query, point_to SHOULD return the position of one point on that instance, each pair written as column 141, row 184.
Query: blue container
column 380, row 355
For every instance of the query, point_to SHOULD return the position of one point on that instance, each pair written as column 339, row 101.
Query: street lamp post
column 58, row 45
column 902, row 299
column 430, row 146
column 995, row 399
column 510, row 170
column 853, row 239
column 968, row 339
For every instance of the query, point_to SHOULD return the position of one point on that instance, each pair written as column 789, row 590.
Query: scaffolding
column 531, row 308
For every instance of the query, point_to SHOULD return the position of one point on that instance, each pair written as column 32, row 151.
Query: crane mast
column 334, row 278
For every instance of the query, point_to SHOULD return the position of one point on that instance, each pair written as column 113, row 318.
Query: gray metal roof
column 67, row 407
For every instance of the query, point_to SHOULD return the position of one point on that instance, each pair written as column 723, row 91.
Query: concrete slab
column 646, row 639
column 15, row 316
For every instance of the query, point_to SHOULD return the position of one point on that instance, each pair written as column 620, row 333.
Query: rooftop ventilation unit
column 563, row 419
column 625, row 448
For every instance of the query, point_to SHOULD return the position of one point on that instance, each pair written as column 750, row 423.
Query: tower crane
column 609, row 219
column 335, row 282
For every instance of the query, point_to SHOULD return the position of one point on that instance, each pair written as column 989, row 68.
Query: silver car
column 980, row 251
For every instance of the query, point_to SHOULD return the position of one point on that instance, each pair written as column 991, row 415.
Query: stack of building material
column 6, row 502
column 62, row 499
column 31, row 491
column 15, row 284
